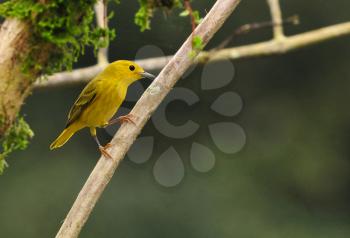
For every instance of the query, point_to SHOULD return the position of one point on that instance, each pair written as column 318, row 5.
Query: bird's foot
column 104, row 151
column 107, row 146
column 127, row 118
column 122, row 119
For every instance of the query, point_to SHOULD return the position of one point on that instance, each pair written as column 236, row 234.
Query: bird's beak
column 147, row 75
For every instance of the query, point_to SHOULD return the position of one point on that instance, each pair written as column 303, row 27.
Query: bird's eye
column 132, row 68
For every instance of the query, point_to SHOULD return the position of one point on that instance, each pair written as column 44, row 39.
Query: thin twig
column 247, row 28
column 188, row 7
column 101, row 19
column 276, row 14
column 142, row 111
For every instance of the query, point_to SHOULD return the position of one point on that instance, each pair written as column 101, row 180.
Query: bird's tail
column 64, row 136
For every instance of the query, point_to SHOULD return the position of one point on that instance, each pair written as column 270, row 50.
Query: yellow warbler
column 100, row 100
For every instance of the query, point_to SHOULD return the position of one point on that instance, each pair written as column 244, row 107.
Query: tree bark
column 15, row 85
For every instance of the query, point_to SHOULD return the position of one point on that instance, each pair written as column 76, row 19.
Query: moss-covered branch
column 40, row 37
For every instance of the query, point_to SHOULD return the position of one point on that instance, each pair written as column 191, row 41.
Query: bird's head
column 128, row 71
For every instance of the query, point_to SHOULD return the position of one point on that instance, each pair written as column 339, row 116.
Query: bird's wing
column 86, row 97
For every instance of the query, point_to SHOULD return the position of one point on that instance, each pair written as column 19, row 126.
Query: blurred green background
column 291, row 179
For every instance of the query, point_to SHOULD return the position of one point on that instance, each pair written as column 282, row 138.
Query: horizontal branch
column 279, row 46
column 86, row 74
column 267, row 48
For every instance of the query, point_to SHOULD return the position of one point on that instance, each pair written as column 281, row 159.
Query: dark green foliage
column 17, row 138
column 147, row 7
column 167, row 3
column 144, row 14
column 66, row 25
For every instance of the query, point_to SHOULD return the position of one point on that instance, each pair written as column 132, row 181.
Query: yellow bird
column 100, row 100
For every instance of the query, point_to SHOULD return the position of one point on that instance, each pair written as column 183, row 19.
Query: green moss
column 197, row 43
column 17, row 138
column 197, row 46
column 68, row 26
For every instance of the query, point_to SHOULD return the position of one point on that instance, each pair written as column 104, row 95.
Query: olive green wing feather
column 86, row 97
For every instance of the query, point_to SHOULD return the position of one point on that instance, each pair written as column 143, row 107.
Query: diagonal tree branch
column 142, row 111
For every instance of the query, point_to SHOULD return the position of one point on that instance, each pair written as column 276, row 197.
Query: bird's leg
column 101, row 148
column 122, row 119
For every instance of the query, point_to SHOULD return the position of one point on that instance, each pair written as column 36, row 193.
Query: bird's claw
column 107, row 146
column 104, row 151
column 127, row 118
